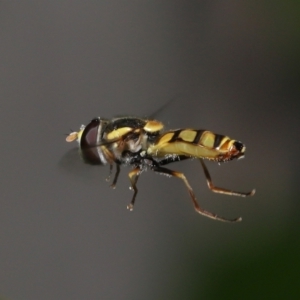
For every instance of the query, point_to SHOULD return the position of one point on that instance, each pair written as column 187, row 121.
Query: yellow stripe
column 226, row 144
column 187, row 135
column 118, row 133
column 166, row 138
column 207, row 139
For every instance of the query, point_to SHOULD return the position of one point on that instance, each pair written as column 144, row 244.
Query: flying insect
column 144, row 145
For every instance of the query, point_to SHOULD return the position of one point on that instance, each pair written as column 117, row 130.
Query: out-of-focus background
column 232, row 68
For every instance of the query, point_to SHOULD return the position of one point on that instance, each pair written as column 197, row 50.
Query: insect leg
column 110, row 172
column 133, row 176
column 192, row 195
column 222, row 190
column 113, row 185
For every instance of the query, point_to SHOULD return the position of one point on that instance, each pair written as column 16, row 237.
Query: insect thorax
column 120, row 140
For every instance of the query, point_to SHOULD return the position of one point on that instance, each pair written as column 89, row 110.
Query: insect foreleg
column 110, row 172
column 192, row 195
column 113, row 185
column 222, row 190
column 133, row 176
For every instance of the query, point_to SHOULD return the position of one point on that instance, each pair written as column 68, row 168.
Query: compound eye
column 89, row 135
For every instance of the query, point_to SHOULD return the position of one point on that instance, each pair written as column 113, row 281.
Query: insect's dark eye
column 88, row 142
column 89, row 135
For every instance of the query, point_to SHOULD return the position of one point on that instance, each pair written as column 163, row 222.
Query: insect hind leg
column 222, row 190
column 198, row 209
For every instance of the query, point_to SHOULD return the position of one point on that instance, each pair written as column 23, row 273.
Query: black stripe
column 198, row 136
column 175, row 135
column 218, row 139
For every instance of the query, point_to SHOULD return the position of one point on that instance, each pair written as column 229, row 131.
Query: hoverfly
column 143, row 145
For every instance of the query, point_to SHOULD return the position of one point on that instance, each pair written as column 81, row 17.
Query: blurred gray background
column 232, row 68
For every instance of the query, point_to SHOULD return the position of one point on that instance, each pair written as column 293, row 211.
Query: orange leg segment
column 198, row 209
column 222, row 190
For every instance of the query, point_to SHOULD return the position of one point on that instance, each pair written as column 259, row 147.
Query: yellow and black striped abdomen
column 197, row 143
